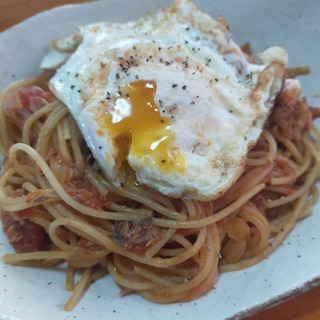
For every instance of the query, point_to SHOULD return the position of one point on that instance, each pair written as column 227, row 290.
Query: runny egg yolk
column 138, row 128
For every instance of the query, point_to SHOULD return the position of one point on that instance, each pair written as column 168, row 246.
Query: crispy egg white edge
column 113, row 37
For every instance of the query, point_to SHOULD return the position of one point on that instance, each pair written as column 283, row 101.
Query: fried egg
column 170, row 96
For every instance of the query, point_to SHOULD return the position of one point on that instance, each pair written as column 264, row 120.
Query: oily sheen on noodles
column 208, row 103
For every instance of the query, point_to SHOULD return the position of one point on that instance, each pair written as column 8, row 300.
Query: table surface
column 303, row 307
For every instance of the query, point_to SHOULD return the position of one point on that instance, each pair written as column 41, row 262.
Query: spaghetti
column 57, row 206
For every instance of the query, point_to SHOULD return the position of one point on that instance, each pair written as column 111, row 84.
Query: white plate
column 27, row 293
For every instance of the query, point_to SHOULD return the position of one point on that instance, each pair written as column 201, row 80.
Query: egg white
column 216, row 99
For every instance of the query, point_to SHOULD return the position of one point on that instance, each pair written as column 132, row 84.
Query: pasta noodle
column 164, row 249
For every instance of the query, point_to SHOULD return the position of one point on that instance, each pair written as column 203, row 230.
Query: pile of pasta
column 58, row 207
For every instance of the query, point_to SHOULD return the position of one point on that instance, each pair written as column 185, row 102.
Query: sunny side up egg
column 172, row 96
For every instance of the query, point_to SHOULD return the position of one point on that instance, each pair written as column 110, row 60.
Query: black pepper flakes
column 184, row 87
column 207, row 62
column 185, row 63
column 174, row 85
